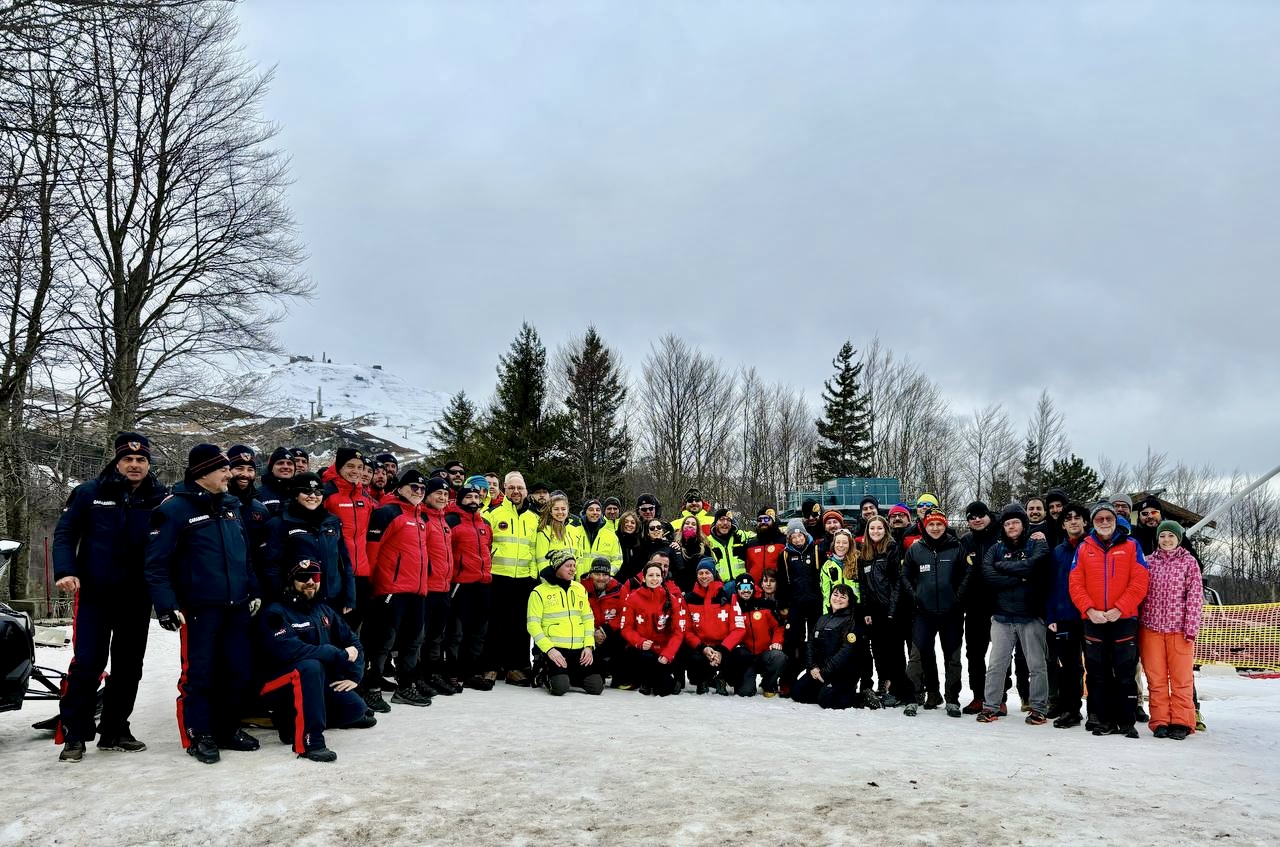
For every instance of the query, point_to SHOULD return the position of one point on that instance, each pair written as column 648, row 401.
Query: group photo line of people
column 303, row 598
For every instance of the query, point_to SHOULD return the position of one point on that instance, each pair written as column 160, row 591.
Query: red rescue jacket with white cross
column 715, row 618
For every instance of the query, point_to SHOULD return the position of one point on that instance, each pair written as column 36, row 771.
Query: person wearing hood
column 1017, row 571
column 315, row 663
column 600, row 537
column 978, row 608
column 935, row 577
column 653, row 625
column 253, row 514
column 800, row 594
column 836, row 658
column 1108, row 582
column 607, row 597
column 762, row 644
column 764, row 550
column 396, row 619
column 694, row 507
column 471, row 540
column 203, row 583
column 345, row 497
column 1170, row 622
column 305, row 530
column 1066, row 645
column 99, row 554
column 880, row 577
column 728, row 546
column 562, row 626
column 273, row 490
column 612, row 511
column 715, row 628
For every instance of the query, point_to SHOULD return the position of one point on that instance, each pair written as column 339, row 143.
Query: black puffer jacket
column 881, row 579
column 834, row 646
column 1018, row 573
column 935, row 575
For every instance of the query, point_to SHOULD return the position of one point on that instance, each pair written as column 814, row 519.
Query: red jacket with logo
column 764, row 626
column 715, row 618
column 654, row 614
column 762, row 555
column 607, row 605
column 353, row 504
column 471, row 542
column 439, row 551
column 398, row 549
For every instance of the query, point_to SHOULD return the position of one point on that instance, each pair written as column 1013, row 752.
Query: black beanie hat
column 723, row 513
column 385, row 458
column 540, row 486
column 436, row 484
column 299, row 453
column 869, row 499
column 1149, row 502
column 203, row 459
column 646, row 500
column 239, row 455
column 132, row 444
column 601, row 564
column 612, row 501
column 977, row 509
column 305, row 483
column 810, row 508
column 411, row 476
column 344, row 455
column 1055, row 495
column 278, row 455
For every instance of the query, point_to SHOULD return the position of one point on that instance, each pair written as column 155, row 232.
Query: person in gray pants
column 1017, row 572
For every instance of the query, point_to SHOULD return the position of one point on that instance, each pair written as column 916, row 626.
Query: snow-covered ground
column 519, row 767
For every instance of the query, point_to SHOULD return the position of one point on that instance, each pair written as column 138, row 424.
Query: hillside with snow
column 401, row 412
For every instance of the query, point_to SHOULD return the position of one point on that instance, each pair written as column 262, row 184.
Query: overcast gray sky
column 1082, row 197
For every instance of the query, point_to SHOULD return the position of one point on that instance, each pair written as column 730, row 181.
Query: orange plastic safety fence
column 1242, row 636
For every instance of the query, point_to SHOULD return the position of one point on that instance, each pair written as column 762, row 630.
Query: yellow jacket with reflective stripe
column 575, row 539
column 607, row 545
column 513, row 534
column 560, row 618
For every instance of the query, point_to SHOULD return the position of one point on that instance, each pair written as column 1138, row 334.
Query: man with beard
column 99, row 549
column 301, row 460
column 693, row 508
column 539, row 496
column 515, row 574
column 867, row 509
column 612, row 511
column 811, row 515
column 764, row 551
column 1065, row 639
column 456, row 474
column 253, row 514
column 201, row 582
column 981, row 537
column 273, row 491
column 728, row 546
column 471, row 539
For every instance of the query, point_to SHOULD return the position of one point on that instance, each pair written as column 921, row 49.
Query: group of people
column 303, row 597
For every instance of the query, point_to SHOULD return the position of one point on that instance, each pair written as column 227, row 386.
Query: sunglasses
column 311, row 492
column 458, row 472
column 417, row 488
column 656, row 528
column 648, row 508
column 307, row 577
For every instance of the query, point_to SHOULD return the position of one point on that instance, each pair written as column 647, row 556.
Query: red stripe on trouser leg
column 58, row 736
column 182, row 686
column 299, row 723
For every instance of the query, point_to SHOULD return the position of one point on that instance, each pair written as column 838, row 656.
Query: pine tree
column 844, row 431
column 1073, row 476
column 457, row 435
column 524, row 432
column 601, row 443
column 1033, row 471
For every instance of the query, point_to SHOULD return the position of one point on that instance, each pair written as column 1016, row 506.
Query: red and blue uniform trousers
column 303, row 705
column 108, row 622
column 216, row 676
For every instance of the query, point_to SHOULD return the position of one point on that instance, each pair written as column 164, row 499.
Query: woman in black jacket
column 304, row 530
column 880, row 575
column 837, row 658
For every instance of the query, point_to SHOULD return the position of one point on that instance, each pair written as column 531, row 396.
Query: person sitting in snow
column 313, row 659
column 562, row 626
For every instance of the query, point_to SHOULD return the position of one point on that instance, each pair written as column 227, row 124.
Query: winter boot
column 1092, row 723
column 1103, row 729
column 974, row 707
column 204, row 749
column 870, row 699
column 889, row 701
column 523, row 678
column 722, row 688
column 410, row 696
column 911, row 710
column 988, row 716
column 1140, row 714
column 373, row 699
column 240, row 741
column 1067, row 720
column 1129, row 731
column 368, row 719
column 933, row 700
column 1161, row 731
column 441, row 685
column 124, row 742
column 72, row 751
column 1178, row 732
column 1199, row 722
column 319, row 754
column 1036, row 719
column 954, row 710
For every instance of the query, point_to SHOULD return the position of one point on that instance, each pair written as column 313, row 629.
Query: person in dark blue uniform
column 315, row 664
column 306, row 530
column 203, row 585
column 99, row 550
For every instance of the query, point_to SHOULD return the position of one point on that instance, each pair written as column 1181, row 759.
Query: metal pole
column 1231, row 501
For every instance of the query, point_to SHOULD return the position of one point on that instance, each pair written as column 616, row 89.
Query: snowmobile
column 21, row 679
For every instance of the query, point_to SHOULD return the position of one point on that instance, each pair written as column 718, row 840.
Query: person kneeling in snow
column 838, row 658
column 562, row 626
column 314, row 665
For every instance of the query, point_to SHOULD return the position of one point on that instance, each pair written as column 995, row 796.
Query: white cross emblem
column 723, row 616
column 639, row 618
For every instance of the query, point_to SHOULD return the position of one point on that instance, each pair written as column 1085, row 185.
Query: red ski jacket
column 398, row 548
column 353, row 505
column 607, row 605
column 654, row 614
column 714, row 617
column 471, row 542
column 439, row 551
column 763, row 626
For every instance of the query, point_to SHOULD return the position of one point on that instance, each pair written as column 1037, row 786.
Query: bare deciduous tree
column 989, row 453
